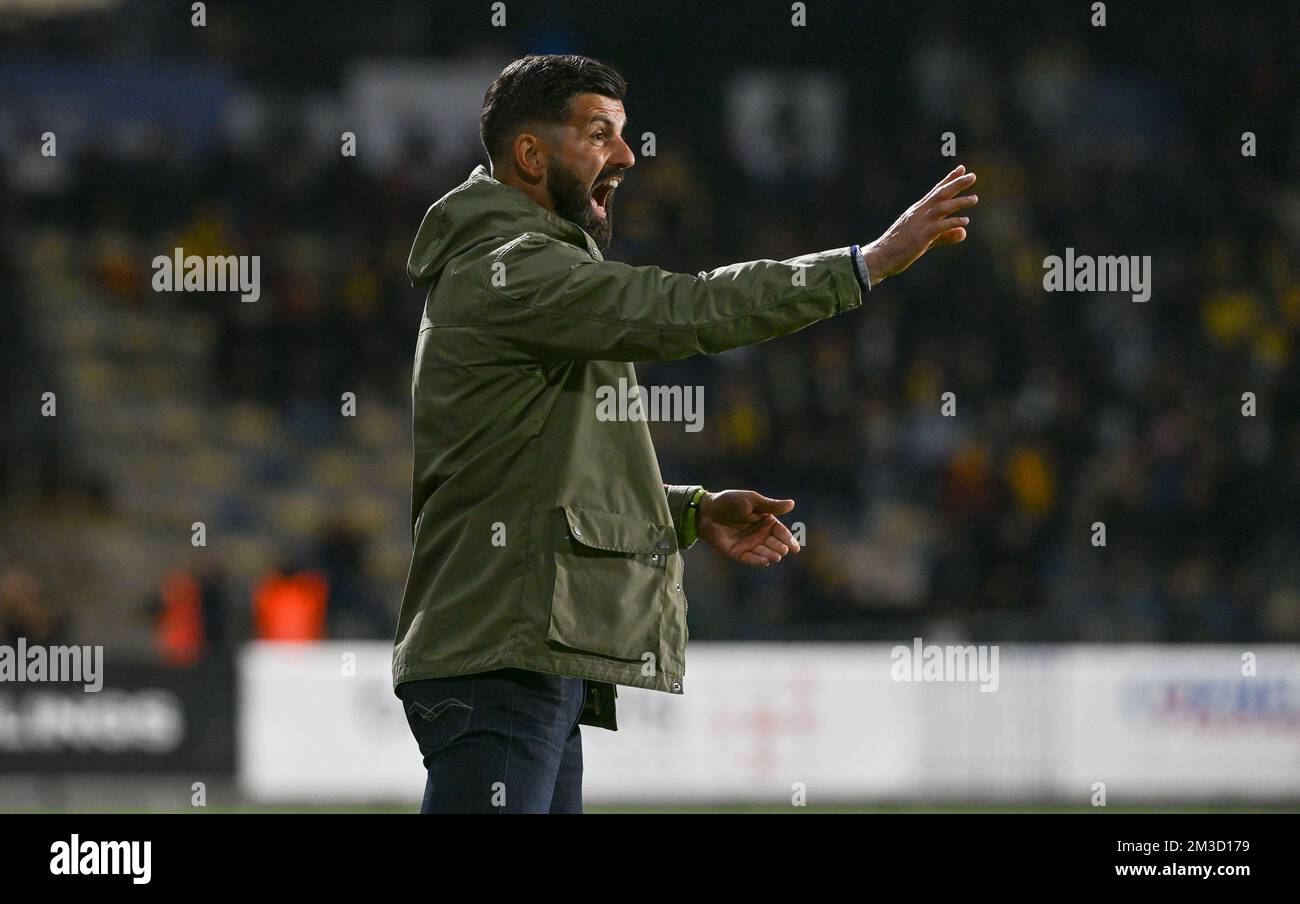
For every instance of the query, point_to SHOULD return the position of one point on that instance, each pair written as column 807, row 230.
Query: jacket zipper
column 686, row 617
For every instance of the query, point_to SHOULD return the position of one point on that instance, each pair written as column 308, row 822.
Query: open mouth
column 601, row 194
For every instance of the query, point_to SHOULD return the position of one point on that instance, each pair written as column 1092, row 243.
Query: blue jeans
column 505, row 741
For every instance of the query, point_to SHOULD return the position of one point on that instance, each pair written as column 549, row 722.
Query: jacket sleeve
column 554, row 301
column 678, row 497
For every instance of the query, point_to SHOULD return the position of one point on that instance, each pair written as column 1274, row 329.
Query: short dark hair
column 539, row 89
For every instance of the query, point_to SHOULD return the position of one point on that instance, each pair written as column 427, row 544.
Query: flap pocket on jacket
column 610, row 580
column 594, row 529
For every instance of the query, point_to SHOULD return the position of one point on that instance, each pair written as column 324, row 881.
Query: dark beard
column 572, row 201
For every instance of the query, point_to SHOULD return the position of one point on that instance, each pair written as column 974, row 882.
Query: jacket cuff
column 678, row 498
column 845, row 280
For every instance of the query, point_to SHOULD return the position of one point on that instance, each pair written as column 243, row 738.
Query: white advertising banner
column 320, row 721
column 1180, row 722
column 833, row 722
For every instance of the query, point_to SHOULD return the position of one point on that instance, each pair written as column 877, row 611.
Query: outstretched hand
column 742, row 525
column 927, row 223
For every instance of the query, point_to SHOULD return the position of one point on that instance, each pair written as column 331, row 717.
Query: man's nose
column 622, row 155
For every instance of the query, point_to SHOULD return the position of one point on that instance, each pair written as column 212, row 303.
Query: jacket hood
column 479, row 210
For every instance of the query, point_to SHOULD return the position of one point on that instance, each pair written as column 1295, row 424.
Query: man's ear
column 530, row 153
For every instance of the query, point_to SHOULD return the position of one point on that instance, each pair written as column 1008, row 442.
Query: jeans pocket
column 438, row 714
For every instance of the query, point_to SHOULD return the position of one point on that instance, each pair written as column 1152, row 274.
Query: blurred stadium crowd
column 1071, row 408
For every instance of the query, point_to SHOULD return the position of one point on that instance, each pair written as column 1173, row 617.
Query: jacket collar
column 512, row 198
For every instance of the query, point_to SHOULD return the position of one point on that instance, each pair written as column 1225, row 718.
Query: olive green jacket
column 544, row 537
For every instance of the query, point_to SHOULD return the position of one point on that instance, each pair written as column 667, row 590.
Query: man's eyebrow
column 601, row 117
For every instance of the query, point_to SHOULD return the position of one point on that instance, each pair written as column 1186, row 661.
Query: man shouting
column 546, row 566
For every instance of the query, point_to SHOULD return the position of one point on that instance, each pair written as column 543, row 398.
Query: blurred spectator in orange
column 189, row 615
column 178, row 625
column 290, row 605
